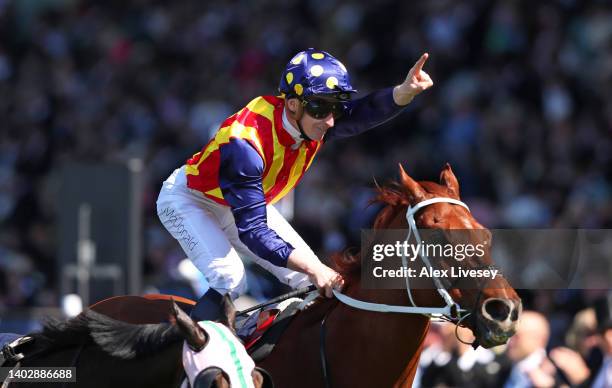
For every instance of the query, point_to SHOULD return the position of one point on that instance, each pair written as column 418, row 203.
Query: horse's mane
column 118, row 339
column 348, row 263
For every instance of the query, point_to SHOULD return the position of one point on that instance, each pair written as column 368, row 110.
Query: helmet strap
column 297, row 116
column 302, row 133
column 299, row 123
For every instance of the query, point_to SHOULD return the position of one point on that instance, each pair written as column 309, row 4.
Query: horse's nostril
column 497, row 309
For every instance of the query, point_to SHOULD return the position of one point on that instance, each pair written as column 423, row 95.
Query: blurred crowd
column 521, row 108
column 528, row 360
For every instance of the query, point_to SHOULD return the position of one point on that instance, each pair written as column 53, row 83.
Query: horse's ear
column 194, row 335
column 413, row 188
column 261, row 378
column 229, row 312
column 211, row 377
column 448, row 179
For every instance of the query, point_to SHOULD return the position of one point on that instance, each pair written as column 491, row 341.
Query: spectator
column 582, row 355
column 457, row 364
column 603, row 377
column 527, row 350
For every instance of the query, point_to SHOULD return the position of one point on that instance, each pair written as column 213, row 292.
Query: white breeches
column 207, row 233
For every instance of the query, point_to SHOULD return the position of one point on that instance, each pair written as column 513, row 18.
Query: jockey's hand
column 323, row 277
column 416, row 81
column 326, row 279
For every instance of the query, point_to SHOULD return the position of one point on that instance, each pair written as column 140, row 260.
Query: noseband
column 457, row 315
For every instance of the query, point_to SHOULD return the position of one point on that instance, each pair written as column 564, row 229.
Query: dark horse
column 359, row 348
column 110, row 353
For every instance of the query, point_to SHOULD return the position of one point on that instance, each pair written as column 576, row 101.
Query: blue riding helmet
column 315, row 72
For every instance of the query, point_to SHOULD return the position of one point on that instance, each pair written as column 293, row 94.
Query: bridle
column 451, row 311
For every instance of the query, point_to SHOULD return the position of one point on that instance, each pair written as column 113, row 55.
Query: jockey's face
column 315, row 128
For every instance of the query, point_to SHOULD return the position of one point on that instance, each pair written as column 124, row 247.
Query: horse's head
column 213, row 357
column 493, row 303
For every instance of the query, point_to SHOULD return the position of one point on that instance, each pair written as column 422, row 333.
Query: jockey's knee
column 228, row 278
column 239, row 288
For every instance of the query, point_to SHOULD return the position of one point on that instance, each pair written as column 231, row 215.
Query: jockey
column 219, row 204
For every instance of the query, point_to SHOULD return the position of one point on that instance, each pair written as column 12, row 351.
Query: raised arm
column 378, row 107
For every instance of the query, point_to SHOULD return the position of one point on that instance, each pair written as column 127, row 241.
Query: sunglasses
column 320, row 109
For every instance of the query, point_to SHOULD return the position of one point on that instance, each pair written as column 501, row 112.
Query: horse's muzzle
column 497, row 320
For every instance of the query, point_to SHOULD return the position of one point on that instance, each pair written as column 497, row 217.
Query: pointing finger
column 419, row 65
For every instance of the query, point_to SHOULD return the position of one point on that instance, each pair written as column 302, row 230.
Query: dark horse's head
column 493, row 303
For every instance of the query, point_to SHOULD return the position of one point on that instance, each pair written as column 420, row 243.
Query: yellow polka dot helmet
column 315, row 72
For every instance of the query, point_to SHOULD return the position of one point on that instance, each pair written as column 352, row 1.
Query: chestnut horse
column 332, row 344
